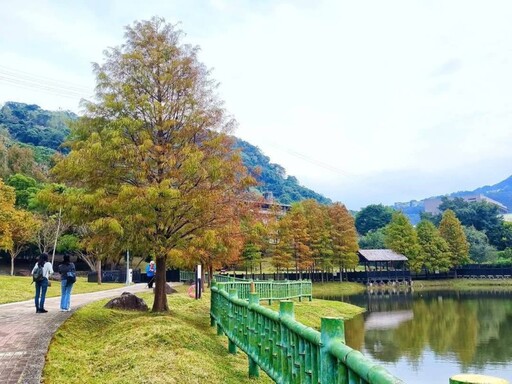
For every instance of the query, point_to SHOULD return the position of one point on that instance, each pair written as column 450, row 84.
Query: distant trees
column 372, row 218
column 373, row 240
column 30, row 124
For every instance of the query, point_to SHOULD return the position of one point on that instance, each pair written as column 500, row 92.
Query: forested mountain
column 44, row 131
column 29, row 124
column 272, row 177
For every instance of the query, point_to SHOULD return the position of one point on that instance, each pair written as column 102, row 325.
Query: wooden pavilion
column 381, row 259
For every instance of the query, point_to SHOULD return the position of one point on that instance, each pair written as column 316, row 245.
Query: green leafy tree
column 26, row 188
column 372, row 218
column 402, row 238
column 152, row 154
column 451, row 230
column 481, row 215
column 434, row 254
column 480, row 251
column 373, row 240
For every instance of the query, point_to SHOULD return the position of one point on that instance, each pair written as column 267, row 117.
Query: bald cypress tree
column 401, row 237
column 452, row 232
column 434, row 254
column 152, row 152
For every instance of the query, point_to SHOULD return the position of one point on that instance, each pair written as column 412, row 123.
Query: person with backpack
column 67, row 279
column 41, row 275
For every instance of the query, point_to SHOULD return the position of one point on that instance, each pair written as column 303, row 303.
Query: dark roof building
column 380, row 255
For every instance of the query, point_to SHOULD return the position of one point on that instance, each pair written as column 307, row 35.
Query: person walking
column 44, row 269
column 150, row 273
column 66, row 284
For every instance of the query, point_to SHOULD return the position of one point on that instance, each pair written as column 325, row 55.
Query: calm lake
column 426, row 337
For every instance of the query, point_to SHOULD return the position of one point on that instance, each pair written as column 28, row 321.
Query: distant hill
column 44, row 131
column 501, row 192
column 29, row 124
column 273, row 178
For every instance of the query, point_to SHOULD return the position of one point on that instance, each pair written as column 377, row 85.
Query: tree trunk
column 341, row 271
column 98, row 269
column 160, row 303
column 210, row 275
column 12, row 265
column 203, row 274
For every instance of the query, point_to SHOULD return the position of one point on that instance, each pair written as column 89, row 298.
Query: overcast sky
column 363, row 101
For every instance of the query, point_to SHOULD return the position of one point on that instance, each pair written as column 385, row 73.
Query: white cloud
column 342, row 94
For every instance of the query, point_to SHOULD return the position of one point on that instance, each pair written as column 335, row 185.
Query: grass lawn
column 98, row 345
column 19, row 288
column 310, row 312
column 337, row 289
column 463, row 284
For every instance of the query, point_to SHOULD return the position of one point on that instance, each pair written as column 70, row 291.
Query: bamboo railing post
column 232, row 323
column 213, row 307
column 331, row 329
column 285, row 309
column 253, row 337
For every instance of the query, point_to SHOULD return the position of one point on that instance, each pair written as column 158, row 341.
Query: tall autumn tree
column 7, row 200
column 451, row 230
column 152, row 150
column 318, row 228
column 343, row 236
column 402, row 238
column 17, row 227
column 296, row 239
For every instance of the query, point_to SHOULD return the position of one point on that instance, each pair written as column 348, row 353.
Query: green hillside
column 29, row 126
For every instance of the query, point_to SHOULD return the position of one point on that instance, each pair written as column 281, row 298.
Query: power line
column 311, row 160
column 28, row 81
column 39, row 78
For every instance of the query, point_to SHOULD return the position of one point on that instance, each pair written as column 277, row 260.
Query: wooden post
column 468, row 378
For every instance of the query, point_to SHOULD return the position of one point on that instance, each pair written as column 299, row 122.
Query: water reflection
column 463, row 331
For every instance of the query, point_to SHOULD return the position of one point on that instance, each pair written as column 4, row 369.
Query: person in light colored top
column 151, row 273
column 42, row 285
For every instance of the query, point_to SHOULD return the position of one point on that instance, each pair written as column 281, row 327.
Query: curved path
column 26, row 335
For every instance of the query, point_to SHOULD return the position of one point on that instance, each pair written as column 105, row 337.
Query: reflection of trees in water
column 475, row 329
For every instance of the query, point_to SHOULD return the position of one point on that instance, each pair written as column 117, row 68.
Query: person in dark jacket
column 65, row 286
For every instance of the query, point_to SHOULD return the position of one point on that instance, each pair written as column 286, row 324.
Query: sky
column 365, row 102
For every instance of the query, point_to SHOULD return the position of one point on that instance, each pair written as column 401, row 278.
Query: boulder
column 168, row 289
column 127, row 301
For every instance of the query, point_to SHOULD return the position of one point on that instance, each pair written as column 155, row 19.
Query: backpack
column 71, row 277
column 38, row 275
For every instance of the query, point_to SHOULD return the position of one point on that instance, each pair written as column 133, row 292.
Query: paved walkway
column 25, row 335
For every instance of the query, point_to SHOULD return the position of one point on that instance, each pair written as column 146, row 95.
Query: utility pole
column 128, row 267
